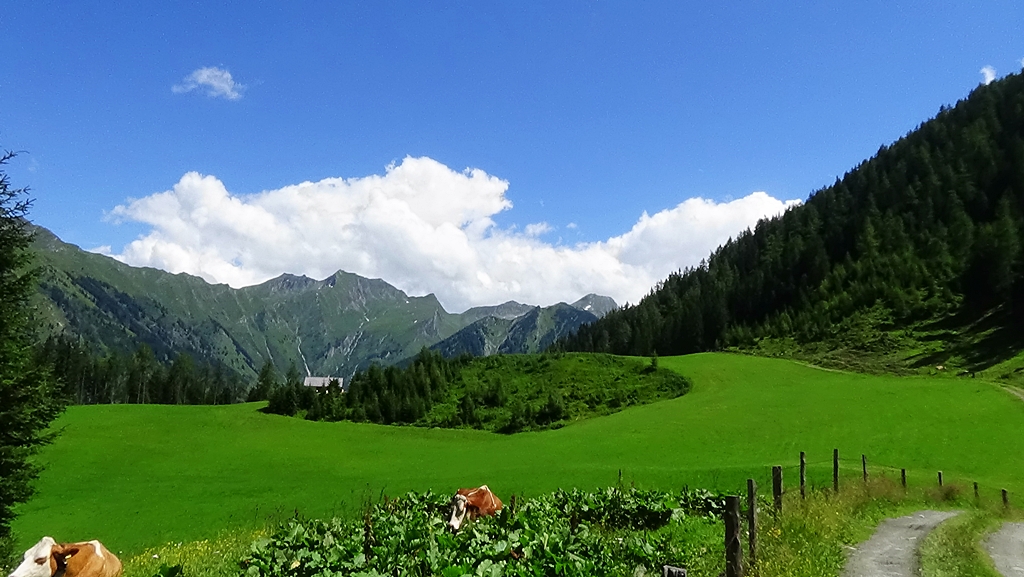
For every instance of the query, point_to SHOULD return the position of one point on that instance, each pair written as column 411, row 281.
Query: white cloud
column 537, row 229
column 424, row 228
column 988, row 74
column 217, row 81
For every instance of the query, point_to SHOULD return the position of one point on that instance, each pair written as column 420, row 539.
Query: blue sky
column 591, row 112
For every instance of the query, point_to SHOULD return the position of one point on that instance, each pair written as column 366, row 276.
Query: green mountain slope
column 913, row 259
column 531, row 332
column 326, row 327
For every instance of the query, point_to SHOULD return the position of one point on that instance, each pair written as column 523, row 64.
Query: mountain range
column 333, row 326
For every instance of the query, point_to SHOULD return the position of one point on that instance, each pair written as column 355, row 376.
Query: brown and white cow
column 49, row 559
column 479, row 502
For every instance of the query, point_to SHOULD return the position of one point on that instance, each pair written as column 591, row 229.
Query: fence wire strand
column 818, row 480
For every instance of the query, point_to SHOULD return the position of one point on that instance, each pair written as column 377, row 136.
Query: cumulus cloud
column 217, row 81
column 422, row 227
column 988, row 74
column 537, row 229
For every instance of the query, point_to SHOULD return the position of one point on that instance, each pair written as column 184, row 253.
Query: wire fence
column 831, row 474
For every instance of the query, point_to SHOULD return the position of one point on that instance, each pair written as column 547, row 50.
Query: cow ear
column 61, row 550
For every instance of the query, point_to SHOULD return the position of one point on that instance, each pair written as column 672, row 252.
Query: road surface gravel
column 1006, row 547
column 892, row 550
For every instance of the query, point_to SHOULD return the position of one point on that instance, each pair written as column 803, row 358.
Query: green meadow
column 138, row 476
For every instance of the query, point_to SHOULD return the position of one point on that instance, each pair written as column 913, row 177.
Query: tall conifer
column 28, row 400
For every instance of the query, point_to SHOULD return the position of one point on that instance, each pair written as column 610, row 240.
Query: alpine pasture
column 142, row 475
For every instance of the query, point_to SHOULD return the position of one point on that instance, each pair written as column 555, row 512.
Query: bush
column 610, row 532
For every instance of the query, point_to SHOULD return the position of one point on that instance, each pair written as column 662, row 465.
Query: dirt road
column 1006, row 547
column 891, row 551
column 1015, row 391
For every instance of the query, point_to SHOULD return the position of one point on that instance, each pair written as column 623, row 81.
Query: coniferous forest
column 929, row 228
column 501, row 393
column 89, row 379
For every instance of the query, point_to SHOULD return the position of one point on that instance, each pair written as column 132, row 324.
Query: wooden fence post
column 903, row 478
column 751, row 524
column 940, row 478
column 864, row 466
column 733, row 549
column 835, row 470
column 777, row 488
column 1006, row 499
column 803, row 475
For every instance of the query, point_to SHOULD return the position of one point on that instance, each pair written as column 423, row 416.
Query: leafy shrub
column 610, row 532
column 702, row 502
column 947, row 493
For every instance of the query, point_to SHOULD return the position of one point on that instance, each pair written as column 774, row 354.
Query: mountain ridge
column 333, row 326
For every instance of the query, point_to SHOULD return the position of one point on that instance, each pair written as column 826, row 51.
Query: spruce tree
column 266, row 382
column 28, row 400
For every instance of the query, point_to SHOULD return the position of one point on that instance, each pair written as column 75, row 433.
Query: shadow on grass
column 981, row 340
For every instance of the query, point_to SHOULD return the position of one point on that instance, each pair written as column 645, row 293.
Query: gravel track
column 1006, row 547
column 892, row 550
column 1015, row 391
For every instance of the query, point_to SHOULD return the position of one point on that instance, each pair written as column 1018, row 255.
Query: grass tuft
column 948, row 493
column 954, row 549
column 812, row 536
column 216, row 557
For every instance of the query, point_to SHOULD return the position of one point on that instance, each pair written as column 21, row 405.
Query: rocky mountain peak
column 595, row 304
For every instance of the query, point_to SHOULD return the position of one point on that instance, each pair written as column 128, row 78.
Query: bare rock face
column 596, row 305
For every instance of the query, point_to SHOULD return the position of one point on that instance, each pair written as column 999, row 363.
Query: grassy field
column 138, row 476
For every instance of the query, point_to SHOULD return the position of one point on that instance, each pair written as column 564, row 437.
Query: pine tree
column 28, row 393
column 266, row 382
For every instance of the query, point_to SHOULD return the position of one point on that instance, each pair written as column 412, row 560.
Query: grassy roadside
column 955, row 548
column 813, row 537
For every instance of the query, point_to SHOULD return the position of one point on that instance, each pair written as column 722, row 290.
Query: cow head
column 458, row 512
column 40, row 560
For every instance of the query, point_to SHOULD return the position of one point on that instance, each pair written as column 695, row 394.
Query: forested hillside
column 924, row 236
column 501, row 393
column 86, row 378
